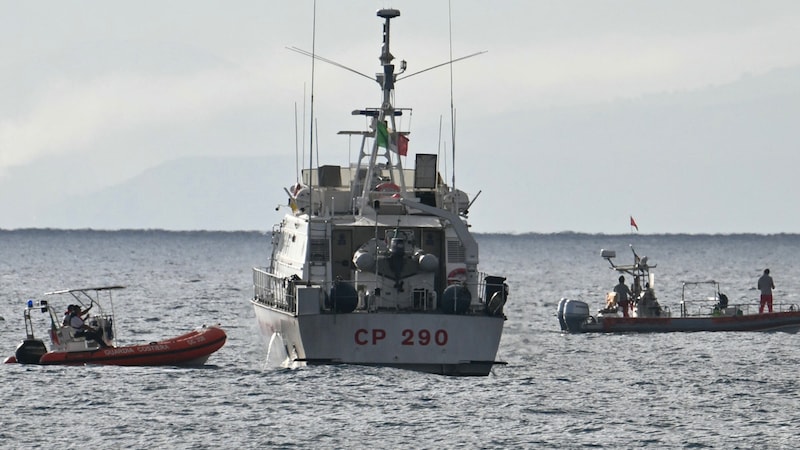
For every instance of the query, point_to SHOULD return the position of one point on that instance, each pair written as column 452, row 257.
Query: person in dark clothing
column 624, row 295
column 765, row 285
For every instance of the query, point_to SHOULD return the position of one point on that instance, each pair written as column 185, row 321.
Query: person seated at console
column 80, row 328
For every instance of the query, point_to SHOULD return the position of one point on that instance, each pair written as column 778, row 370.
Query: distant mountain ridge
column 195, row 193
column 691, row 150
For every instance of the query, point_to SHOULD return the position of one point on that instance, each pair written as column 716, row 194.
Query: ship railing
column 274, row 291
column 709, row 308
column 785, row 307
column 279, row 293
column 422, row 298
column 734, row 309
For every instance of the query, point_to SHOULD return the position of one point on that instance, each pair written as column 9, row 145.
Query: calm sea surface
column 700, row 390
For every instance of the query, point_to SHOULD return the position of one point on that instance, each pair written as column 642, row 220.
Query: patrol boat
column 702, row 307
column 374, row 264
column 192, row 348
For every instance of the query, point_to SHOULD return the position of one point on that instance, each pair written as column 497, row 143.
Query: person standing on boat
column 765, row 285
column 623, row 295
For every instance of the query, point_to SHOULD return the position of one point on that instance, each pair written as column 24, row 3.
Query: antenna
column 403, row 64
column 296, row 148
column 307, row 265
column 386, row 57
column 329, row 61
column 439, row 152
column 311, row 125
column 452, row 108
column 303, row 146
column 442, row 64
column 316, row 144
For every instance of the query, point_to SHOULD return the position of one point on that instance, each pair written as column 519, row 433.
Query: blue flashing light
column 30, row 303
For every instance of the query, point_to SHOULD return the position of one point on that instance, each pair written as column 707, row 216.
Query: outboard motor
column 572, row 314
column 30, row 350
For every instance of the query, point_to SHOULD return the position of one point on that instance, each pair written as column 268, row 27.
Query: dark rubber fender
column 455, row 299
column 344, row 297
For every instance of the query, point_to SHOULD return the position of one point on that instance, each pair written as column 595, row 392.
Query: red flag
column 633, row 224
column 402, row 144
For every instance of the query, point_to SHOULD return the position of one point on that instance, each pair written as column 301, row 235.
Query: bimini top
column 69, row 291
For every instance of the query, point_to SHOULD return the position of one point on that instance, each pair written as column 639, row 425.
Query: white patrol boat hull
column 436, row 343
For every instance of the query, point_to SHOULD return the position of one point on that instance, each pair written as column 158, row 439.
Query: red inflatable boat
column 189, row 349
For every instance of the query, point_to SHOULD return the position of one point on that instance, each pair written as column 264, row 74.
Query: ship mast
column 383, row 117
column 387, row 80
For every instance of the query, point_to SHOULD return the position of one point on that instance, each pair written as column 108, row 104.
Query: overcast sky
column 109, row 89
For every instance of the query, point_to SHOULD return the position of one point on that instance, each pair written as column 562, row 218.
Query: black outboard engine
column 30, row 351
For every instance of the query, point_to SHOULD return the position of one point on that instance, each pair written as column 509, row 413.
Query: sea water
column 693, row 390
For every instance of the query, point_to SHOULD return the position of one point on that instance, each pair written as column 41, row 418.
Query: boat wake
column 277, row 355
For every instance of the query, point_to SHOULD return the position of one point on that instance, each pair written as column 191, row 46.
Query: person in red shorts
column 765, row 285
column 623, row 295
